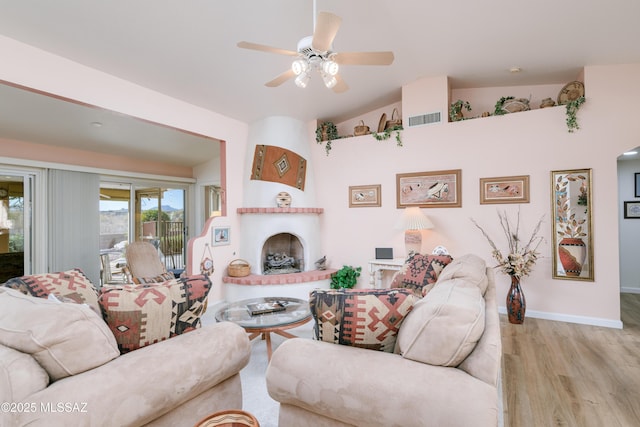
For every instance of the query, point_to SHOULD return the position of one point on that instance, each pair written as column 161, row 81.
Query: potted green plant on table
column 346, row 277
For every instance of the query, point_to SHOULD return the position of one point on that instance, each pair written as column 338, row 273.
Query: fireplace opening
column 282, row 253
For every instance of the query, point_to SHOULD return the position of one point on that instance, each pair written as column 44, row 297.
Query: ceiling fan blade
column 327, row 25
column 364, row 58
column 280, row 79
column 265, row 48
column 341, row 86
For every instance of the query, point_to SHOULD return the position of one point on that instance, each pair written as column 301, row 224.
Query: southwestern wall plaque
column 277, row 164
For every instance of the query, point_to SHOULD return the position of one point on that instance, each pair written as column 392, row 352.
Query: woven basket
column 238, row 268
column 395, row 121
column 361, row 129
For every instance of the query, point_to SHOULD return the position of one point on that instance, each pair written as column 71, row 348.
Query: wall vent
column 425, row 119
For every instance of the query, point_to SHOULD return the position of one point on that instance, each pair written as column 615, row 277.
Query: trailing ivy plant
column 499, row 108
column 332, row 134
column 346, row 277
column 383, row 136
column 572, row 110
column 455, row 110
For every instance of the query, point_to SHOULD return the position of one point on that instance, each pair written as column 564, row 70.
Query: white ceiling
column 187, row 49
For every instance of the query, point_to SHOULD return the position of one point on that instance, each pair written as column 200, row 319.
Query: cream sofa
column 60, row 366
column 444, row 371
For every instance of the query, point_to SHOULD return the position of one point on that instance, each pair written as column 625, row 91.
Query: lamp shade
column 414, row 219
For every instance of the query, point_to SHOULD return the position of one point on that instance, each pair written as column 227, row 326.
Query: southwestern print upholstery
column 366, row 318
column 72, row 284
column 420, row 273
column 140, row 315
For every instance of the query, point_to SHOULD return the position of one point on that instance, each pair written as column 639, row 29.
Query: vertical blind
column 74, row 222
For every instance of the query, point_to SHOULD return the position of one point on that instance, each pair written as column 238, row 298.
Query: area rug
column 255, row 398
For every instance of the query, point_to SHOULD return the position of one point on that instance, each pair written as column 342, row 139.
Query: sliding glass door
column 16, row 224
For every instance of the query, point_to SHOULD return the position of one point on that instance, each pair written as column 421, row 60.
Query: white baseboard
column 626, row 290
column 569, row 318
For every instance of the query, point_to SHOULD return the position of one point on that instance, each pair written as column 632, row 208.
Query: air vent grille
column 425, row 119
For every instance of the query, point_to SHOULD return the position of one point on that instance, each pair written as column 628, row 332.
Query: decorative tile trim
column 281, row 279
column 280, row 210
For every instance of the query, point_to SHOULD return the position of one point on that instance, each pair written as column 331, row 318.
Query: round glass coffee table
column 288, row 313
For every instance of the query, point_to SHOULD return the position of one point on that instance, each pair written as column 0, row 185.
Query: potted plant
column 386, row 134
column 346, row 277
column 499, row 107
column 572, row 110
column 326, row 131
column 455, row 110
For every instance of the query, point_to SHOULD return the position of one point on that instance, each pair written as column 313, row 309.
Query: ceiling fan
column 315, row 53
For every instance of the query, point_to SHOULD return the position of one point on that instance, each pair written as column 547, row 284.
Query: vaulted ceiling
column 188, row 49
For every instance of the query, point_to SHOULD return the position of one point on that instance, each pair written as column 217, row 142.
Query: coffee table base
column 280, row 330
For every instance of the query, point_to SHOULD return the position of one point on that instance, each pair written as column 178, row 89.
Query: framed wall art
column 220, row 236
column 572, row 224
column 504, row 189
column 361, row 196
column 637, row 184
column 437, row 189
column 632, row 210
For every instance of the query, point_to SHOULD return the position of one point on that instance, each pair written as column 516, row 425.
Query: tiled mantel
column 280, row 210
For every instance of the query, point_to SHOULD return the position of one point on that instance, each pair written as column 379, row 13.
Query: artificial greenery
column 331, row 133
column 383, row 136
column 346, row 277
column 455, row 110
column 499, row 108
column 572, row 110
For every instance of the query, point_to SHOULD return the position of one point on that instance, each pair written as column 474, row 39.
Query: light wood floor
column 562, row 374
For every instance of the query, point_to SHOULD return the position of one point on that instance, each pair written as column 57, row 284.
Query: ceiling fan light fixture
column 299, row 66
column 330, row 67
column 303, row 80
column 329, row 80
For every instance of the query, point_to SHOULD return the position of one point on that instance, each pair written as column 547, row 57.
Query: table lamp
column 413, row 222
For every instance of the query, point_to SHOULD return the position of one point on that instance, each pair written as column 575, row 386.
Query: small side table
column 377, row 266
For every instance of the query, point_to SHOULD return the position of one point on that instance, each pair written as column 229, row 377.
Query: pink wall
column 529, row 143
column 47, row 153
column 532, row 143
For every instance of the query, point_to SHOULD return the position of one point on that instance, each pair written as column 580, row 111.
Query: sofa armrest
column 371, row 388
column 139, row 386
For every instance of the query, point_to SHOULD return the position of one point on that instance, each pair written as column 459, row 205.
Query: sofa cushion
column 65, row 339
column 71, row 284
column 420, row 272
column 140, row 315
column 444, row 327
column 20, row 375
column 470, row 267
column 367, row 318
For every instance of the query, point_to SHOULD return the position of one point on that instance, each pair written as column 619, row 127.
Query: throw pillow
column 420, row 272
column 65, row 339
column 72, row 284
column 140, row 315
column 367, row 318
column 444, row 327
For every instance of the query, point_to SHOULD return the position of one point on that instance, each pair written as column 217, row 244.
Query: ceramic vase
column 516, row 305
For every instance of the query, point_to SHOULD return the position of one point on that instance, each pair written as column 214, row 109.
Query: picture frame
column 637, row 184
column 632, row 210
column 571, row 219
column 433, row 189
column 361, row 196
column 504, row 189
column 220, row 236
